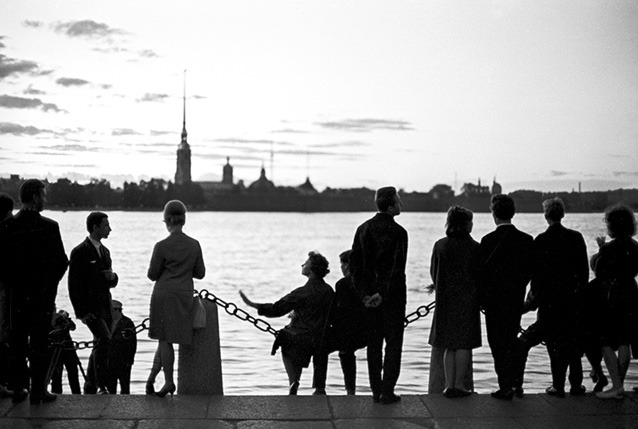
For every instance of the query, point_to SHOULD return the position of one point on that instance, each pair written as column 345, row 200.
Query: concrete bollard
column 200, row 364
column 436, row 382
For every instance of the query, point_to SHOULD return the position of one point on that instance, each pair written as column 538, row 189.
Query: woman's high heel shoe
column 150, row 388
column 166, row 390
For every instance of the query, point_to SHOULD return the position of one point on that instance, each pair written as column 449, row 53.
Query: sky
column 538, row 94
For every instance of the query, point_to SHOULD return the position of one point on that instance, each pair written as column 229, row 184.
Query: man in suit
column 507, row 269
column 121, row 351
column 377, row 264
column 560, row 273
column 90, row 280
column 33, row 262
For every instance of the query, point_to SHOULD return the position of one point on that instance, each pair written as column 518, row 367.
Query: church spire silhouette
column 183, row 172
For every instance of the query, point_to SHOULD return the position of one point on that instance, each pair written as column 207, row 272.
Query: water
column 262, row 253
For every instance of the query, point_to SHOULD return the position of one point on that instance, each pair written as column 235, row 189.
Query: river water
column 262, row 253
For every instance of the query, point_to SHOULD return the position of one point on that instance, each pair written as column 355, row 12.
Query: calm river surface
column 261, row 253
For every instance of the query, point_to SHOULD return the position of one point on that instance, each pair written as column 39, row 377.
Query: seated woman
column 616, row 266
column 310, row 305
column 456, row 326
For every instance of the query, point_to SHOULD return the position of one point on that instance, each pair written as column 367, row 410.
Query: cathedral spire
column 184, row 133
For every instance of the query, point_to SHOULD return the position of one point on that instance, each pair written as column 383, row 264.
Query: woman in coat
column 175, row 262
column 310, row 305
column 456, row 326
column 616, row 266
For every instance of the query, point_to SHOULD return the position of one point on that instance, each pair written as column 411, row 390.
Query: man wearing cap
column 90, row 280
column 121, row 351
column 377, row 263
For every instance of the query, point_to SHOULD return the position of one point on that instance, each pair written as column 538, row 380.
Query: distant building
column 471, row 190
column 496, row 187
column 226, row 185
column 183, row 172
column 306, row 188
column 262, row 184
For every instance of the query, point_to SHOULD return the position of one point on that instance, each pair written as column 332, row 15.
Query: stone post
column 200, row 364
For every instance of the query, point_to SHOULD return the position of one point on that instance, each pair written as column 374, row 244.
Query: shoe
column 293, row 388
column 518, row 392
column 319, row 391
column 577, row 391
column 102, row 391
column 601, row 384
column 165, row 391
column 611, row 394
column 389, row 399
column 552, row 391
column 504, row 394
column 19, row 395
column 42, row 398
column 462, row 393
column 450, row 392
column 376, row 398
column 150, row 388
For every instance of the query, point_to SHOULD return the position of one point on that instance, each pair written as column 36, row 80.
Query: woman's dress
column 454, row 268
column 616, row 266
column 175, row 262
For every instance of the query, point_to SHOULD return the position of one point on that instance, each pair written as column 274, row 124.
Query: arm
column 156, row 267
column 199, row 270
column 77, row 278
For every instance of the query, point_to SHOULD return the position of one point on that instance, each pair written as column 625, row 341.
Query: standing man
column 32, row 264
column 377, row 264
column 506, row 255
column 90, row 281
column 561, row 271
column 121, row 351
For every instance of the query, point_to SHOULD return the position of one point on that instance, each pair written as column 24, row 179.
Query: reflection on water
column 262, row 254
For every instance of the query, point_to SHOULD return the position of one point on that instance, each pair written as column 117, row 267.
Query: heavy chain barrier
column 232, row 309
column 229, row 307
column 419, row 313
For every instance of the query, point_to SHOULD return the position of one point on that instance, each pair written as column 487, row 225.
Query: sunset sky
column 539, row 94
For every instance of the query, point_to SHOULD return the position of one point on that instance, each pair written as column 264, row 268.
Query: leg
column 168, row 359
column 461, row 363
column 449, row 362
column 612, row 363
column 393, row 332
column 90, row 386
column 155, row 369
column 294, row 374
column 71, row 365
column 102, row 337
column 436, row 382
column 623, row 360
column 374, row 351
column 559, row 361
column 530, row 338
column 349, row 368
column 124, row 375
column 320, row 372
column 595, row 356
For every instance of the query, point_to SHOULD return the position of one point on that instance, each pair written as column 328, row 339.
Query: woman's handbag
column 199, row 313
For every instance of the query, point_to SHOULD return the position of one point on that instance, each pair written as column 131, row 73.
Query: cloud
column 32, row 91
column 365, row 125
column 148, row 97
column 17, row 129
column 352, row 143
column 32, row 24
column 625, row 173
column 26, row 103
column 71, row 81
column 248, row 141
column 9, row 66
column 86, row 28
column 124, row 132
column 289, row 131
column 147, row 53
column 161, row 133
column 68, row 147
column 558, row 173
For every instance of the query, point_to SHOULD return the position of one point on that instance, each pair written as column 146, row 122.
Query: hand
column 600, row 240
column 109, row 275
column 246, row 300
column 374, row 301
column 430, row 288
column 87, row 318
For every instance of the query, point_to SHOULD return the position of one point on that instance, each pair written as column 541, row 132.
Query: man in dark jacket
column 506, row 255
column 561, row 272
column 90, row 280
column 121, row 351
column 32, row 264
column 377, row 264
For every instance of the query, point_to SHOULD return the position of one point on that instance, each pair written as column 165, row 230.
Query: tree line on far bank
column 154, row 193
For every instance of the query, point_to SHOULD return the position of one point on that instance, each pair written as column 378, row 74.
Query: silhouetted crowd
column 576, row 317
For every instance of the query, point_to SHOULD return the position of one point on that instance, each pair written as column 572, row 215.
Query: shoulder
column 80, row 248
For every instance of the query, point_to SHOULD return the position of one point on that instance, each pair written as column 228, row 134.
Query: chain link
column 419, row 313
